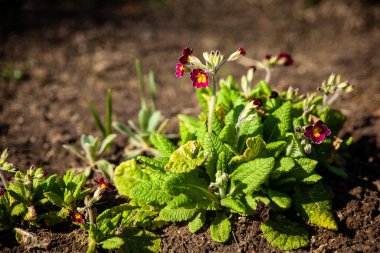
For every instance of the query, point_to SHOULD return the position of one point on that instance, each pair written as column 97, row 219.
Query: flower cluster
column 199, row 72
column 76, row 217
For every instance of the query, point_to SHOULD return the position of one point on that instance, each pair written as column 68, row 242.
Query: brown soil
column 73, row 53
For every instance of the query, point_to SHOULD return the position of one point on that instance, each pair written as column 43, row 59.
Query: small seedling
column 149, row 117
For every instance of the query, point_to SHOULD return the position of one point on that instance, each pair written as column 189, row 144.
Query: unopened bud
column 307, row 148
column 237, row 54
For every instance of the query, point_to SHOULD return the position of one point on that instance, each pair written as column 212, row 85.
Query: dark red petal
column 319, row 139
column 257, row 102
column 308, row 131
column 242, row 51
column 326, row 130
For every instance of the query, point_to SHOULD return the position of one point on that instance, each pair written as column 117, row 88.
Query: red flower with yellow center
column 186, row 54
column 317, row 132
column 104, row 185
column 199, row 78
column 179, row 70
column 76, row 217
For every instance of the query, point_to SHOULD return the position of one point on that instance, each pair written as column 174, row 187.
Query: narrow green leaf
column 236, row 205
column 285, row 234
column 106, row 143
column 54, row 199
column 108, row 128
column 95, row 115
column 153, row 121
column 19, row 209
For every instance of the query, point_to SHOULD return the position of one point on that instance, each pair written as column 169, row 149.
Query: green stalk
column 212, row 104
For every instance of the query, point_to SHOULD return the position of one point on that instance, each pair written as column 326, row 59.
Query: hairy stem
column 267, row 74
column 212, row 102
column 90, row 215
column 222, row 192
column 325, row 99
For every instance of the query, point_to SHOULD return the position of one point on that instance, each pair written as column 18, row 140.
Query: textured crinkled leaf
column 285, row 234
column 140, row 241
column 282, row 166
column 249, row 176
column 282, row 200
column 249, row 128
column 150, row 192
column 55, row 199
column 177, row 214
column 163, row 145
column 304, row 168
column 185, row 133
column 195, row 188
column 228, row 134
column 278, row 123
column 112, row 243
column 197, row 222
column 233, row 115
column 314, row 205
column 222, row 162
column 220, row 228
column 127, row 175
column 155, row 163
column 276, row 148
column 294, row 147
column 185, row 158
column 235, row 205
column 283, row 181
column 312, row 179
column 217, row 124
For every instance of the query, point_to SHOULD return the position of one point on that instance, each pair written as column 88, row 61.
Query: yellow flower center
column 201, row 78
column 317, row 131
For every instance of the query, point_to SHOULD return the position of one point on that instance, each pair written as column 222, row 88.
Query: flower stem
column 4, row 179
column 222, row 193
column 90, row 215
column 267, row 74
column 324, row 103
column 212, row 102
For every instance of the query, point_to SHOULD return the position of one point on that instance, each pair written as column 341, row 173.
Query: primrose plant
column 149, row 118
column 117, row 227
column 248, row 146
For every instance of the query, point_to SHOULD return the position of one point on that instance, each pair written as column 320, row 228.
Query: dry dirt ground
column 72, row 53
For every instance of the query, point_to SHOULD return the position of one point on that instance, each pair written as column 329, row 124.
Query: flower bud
column 236, row 55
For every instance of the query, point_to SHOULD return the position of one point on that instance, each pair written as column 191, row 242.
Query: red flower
column 285, row 59
column 104, row 184
column 186, row 53
column 2, row 192
column 257, row 102
column 242, row 51
column 199, row 78
column 76, row 217
column 317, row 132
column 179, row 70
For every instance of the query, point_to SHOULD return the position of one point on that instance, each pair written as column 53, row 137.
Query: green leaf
column 228, row 134
column 304, row 168
column 197, row 222
column 112, row 243
column 124, row 130
column 314, row 205
column 177, row 214
column 278, row 123
column 155, row 163
column 284, row 165
column 193, row 187
column 294, row 148
column 220, row 228
column 252, row 200
column 249, row 176
column 150, row 192
column 97, row 120
column 153, row 121
column 276, row 148
column 281, row 199
column 338, row 171
column 312, row 179
column 285, row 234
column 235, row 204
column 19, row 209
column 106, row 142
column 106, row 167
column 140, row 241
column 127, row 175
column 55, row 199
column 164, row 146
column 249, row 128
column 185, row 158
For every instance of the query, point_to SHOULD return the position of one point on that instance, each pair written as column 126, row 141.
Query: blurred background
column 55, row 56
